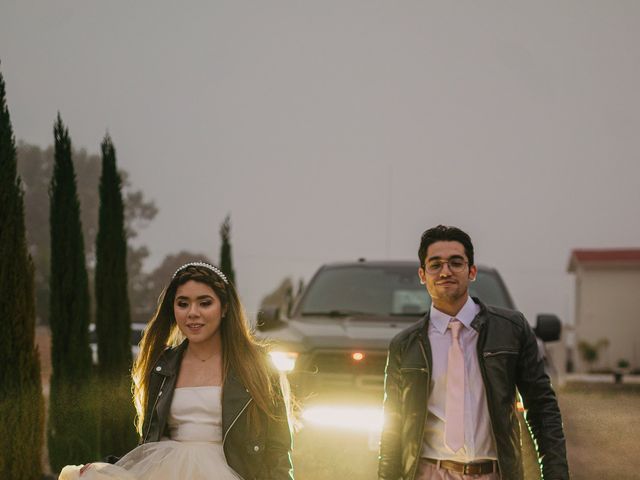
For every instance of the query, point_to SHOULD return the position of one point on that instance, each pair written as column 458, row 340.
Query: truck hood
column 337, row 333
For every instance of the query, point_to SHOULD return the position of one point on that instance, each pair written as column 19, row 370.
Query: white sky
column 338, row 129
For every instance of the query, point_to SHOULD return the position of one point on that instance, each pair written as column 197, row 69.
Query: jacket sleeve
column 278, row 444
column 543, row 414
column 390, row 458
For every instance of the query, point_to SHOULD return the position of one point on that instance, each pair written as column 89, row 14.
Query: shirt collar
column 466, row 315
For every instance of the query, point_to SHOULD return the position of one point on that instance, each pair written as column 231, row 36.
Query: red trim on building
column 621, row 256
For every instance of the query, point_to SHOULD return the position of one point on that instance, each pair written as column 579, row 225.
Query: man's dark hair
column 446, row 234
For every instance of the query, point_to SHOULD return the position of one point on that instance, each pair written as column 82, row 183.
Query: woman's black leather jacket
column 254, row 454
column 508, row 357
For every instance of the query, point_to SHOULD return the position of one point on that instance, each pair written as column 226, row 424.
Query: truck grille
column 327, row 372
column 342, row 362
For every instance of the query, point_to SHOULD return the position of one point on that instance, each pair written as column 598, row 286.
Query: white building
column 607, row 305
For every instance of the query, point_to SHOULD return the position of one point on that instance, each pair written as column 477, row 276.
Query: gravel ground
column 601, row 423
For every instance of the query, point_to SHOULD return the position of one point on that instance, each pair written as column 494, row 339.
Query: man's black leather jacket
column 508, row 356
column 252, row 454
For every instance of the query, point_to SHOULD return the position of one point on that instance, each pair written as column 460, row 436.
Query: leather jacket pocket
column 405, row 370
column 501, row 363
column 500, row 351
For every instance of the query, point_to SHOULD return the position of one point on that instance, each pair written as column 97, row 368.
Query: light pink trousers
column 429, row 471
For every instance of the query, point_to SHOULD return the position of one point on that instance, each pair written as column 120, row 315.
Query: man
column 451, row 380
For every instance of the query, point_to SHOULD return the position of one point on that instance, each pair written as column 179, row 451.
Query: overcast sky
column 337, row 129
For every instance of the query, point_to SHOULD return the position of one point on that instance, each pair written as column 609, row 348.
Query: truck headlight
column 284, row 361
column 361, row 418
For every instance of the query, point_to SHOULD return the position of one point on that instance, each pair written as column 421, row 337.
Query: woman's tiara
column 208, row 266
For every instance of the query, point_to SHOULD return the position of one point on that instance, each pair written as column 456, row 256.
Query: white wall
column 608, row 307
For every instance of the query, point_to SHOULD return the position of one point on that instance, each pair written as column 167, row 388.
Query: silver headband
column 208, row 266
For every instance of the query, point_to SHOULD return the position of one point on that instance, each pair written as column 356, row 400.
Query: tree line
column 35, row 167
column 44, row 275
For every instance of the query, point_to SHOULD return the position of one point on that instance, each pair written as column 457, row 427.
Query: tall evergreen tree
column 72, row 434
column 35, row 167
column 21, row 402
column 226, row 262
column 113, row 321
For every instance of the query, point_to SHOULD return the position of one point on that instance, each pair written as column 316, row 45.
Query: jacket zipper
column 426, row 408
column 481, row 357
column 235, row 420
column 227, row 432
column 500, row 352
column 155, row 404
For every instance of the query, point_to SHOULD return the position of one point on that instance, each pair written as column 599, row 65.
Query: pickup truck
column 333, row 344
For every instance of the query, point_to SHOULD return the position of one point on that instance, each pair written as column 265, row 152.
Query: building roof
column 604, row 257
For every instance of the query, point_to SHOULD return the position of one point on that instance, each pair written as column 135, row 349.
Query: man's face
column 446, row 273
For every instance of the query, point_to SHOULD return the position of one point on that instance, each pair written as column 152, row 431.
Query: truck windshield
column 384, row 291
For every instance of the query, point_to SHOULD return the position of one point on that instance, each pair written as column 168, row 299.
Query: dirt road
column 601, row 424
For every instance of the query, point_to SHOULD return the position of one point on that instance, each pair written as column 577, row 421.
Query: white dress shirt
column 479, row 442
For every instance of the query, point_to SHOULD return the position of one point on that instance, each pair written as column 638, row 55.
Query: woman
column 209, row 406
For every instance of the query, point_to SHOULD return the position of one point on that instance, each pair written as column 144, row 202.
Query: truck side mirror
column 548, row 327
column 269, row 318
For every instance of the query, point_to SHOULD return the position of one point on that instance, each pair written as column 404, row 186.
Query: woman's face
column 198, row 311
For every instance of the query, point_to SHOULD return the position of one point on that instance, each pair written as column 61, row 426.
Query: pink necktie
column 454, row 409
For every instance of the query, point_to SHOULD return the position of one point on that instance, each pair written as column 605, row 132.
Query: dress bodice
column 196, row 415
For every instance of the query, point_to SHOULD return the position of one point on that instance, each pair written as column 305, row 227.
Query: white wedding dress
column 194, row 451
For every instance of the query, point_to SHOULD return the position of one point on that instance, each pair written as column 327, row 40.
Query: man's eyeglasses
column 456, row 265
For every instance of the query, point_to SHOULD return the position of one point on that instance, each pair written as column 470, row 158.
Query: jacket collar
column 481, row 318
column 169, row 363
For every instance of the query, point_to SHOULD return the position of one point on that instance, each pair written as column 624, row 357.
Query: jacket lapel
column 168, row 366
column 481, row 318
column 235, row 397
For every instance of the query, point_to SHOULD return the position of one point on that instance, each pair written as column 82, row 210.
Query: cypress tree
column 113, row 321
column 226, row 262
column 21, row 402
column 72, row 435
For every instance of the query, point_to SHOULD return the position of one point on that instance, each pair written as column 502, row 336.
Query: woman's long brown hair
column 241, row 352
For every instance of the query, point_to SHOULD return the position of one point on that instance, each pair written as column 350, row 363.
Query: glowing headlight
column 284, row 361
column 350, row 418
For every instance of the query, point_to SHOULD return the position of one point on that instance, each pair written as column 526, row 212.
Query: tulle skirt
column 164, row 460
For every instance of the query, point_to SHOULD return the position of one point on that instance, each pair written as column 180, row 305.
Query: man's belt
column 476, row 468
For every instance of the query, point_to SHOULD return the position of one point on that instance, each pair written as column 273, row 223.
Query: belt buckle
column 472, row 469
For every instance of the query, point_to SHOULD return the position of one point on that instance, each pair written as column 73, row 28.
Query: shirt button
column 158, row 369
column 256, row 448
column 160, row 393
